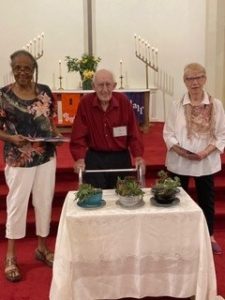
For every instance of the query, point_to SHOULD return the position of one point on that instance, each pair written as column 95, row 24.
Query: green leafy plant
column 165, row 185
column 128, row 186
column 85, row 191
column 86, row 65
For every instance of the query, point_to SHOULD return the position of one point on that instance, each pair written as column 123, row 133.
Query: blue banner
column 137, row 100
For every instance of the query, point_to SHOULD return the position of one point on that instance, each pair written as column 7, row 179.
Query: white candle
column 38, row 44
column 139, row 45
column 149, row 54
column 135, row 42
column 60, row 68
column 42, row 42
column 31, row 47
column 146, row 48
column 143, row 48
column 153, row 56
column 35, row 41
column 156, row 58
column 121, row 67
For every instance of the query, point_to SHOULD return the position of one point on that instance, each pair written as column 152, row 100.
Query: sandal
column 216, row 248
column 46, row 257
column 12, row 272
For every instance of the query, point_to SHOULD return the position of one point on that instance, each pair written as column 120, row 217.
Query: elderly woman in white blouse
column 195, row 137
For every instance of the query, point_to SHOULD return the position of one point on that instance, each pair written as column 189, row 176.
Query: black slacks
column 106, row 160
column 205, row 190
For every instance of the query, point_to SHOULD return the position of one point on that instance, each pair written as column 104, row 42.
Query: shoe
column 216, row 248
column 12, row 272
column 46, row 257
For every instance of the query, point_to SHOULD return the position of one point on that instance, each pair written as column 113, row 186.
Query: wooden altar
column 68, row 100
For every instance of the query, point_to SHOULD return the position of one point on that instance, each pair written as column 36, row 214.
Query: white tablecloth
column 112, row 252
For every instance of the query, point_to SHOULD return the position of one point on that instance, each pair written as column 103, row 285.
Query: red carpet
column 36, row 277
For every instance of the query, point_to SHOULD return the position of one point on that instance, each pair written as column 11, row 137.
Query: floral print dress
column 30, row 118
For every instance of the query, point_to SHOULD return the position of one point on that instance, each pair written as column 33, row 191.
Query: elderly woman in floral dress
column 194, row 133
column 26, row 111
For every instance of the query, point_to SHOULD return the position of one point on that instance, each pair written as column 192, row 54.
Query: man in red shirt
column 105, row 133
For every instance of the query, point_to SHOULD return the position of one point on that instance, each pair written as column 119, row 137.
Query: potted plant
column 88, row 195
column 165, row 188
column 129, row 191
column 86, row 66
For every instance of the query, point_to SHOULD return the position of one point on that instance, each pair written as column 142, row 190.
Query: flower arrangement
column 86, row 66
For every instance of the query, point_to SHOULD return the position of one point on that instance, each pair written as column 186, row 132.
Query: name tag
column 120, row 131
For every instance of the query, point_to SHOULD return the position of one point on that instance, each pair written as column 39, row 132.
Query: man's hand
column 79, row 165
column 140, row 163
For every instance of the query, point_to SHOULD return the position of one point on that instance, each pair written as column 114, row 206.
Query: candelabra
column 36, row 46
column 147, row 54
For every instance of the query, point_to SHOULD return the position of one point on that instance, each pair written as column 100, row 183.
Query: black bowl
column 165, row 198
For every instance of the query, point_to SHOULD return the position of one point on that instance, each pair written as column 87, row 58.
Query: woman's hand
column 18, row 140
column 185, row 153
column 202, row 154
column 180, row 151
column 191, row 155
column 206, row 152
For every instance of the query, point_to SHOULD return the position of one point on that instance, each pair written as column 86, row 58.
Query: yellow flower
column 88, row 74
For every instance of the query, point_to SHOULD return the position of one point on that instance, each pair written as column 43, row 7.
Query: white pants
column 40, row 180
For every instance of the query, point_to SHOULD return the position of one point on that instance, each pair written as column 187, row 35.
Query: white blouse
column 175, row 132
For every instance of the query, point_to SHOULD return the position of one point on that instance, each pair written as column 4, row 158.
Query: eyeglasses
column 106, row 85
column 20, row 69
column 192, row 79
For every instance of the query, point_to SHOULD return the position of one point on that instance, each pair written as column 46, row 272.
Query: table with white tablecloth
column 112, row 252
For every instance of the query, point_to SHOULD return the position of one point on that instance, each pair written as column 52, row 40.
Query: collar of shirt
column 114, row 102
column 186, row 99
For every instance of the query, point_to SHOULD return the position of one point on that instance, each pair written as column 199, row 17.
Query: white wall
column 175, row 27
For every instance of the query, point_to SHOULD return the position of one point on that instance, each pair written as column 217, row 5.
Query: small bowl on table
column 164, row 197
column 93, row 199
column 130, row 201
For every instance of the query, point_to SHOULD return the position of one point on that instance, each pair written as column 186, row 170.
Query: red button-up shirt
column 93, row 127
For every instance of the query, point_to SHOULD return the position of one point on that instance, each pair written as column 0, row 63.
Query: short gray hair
column 194, row 67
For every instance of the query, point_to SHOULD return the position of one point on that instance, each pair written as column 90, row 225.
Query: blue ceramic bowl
column 93, row 200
